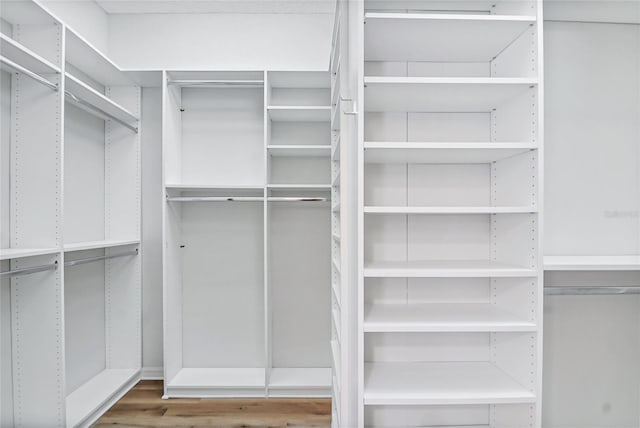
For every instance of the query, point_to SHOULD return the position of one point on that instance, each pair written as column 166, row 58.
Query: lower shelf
column 217, row 382
column 583, row 263
column 298, row 382
column 89, row 401
column 441, row 384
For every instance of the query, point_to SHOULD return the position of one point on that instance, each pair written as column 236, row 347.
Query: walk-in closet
column 320, row 213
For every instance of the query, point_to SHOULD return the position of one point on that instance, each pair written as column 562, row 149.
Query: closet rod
column 218, row 83
column 215, row 198
column 577, row 21
column 590, row 290
column 29, row 270
column 296, row 199
column 98, row 112
column 28, row 73
column 99, row 258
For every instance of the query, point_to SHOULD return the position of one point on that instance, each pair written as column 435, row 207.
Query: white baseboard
column 152, row 373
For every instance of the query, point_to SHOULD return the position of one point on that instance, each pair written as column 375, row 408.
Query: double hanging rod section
column 54, row 265
column 70, row 97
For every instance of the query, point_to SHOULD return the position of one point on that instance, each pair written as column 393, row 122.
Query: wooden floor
column 143, row 406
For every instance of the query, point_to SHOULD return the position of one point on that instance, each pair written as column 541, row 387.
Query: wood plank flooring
column 143, row 406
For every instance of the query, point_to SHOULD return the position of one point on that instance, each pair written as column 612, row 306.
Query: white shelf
column 448, row 210
column 101, row 391
column 586, row 263
column 300, row 378
column 445, row 269
column 299, row 150
column 300, row 113
column 447, row 383
column 15, row 253
column 221, row 378
column 88, row 59
column 98, row 100
column 95, row 245
column 435, row 94
column 25, row 57
column 443, row 37
column 197, row 187
column 442, row 153
column 442, row 317
column 299, row 186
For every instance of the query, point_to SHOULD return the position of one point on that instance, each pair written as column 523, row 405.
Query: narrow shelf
column 443, row 37
column 88, row 59
column 448, row 210
column 441, row 384
column 220, row 378
column 98, row 100
column 442, row 153
column 25, row 57
column 15, row 253
column 302, row 378
column 299, row 150
column 95, row 245
column 98, row 394
column 196, row 187
column 299, row 186
column 300, row 113
column 435, row 94
column 587, row 263
column 445, row 269
column 442, row 317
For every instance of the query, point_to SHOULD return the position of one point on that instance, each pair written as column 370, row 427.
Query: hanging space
column 592, row 201
column 102, row 274
column 450, row 274
column 214, row 222
column 298, row 145
column 31, row 102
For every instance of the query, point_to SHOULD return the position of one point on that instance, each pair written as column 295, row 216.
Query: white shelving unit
column 236, row 276
column 71, row 344
column 450, row 268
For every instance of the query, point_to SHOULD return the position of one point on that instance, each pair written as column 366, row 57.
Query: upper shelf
column 441, row 383
column 434, row 94
column 85, row 57
column 25, row 57
column 442, row 153
column 442, row 317
column 369, row 209
column 300, row 113
column 445, row 269
column 15, row 253
column 591, row 263
column 443, row 37
column 97, row 100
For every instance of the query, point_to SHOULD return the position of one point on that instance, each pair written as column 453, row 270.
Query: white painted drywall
column 221, row 41
column 84, row 17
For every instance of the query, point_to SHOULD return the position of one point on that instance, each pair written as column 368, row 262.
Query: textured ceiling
column 217, row 6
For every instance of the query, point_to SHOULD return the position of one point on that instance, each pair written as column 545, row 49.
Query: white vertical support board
column 268, row 321
column 171, row 219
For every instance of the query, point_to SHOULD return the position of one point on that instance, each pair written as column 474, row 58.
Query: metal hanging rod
column 98, row 112
column 215, row 198
column 28, row 270
column 28, row 73
column 296, row 199
column 591, row 22
column 218, row 83
column 97, row 259
column 590, row 290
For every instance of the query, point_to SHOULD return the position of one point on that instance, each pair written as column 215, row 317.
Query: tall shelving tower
column 449, row 217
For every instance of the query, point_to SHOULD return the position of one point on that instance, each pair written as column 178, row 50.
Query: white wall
column 83, row 16
column 221, row 41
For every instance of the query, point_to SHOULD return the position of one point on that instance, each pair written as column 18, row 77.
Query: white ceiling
column 217, row 6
